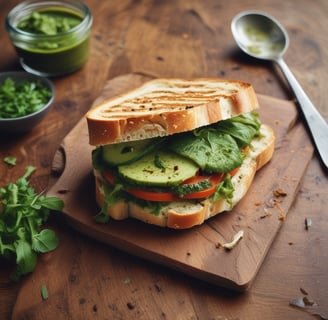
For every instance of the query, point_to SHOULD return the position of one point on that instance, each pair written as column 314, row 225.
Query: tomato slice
column 109, row 177
column 149, row 195
column 234, row 171
column 153, row 195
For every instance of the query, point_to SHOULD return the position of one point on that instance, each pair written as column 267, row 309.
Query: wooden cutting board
column 195, row 251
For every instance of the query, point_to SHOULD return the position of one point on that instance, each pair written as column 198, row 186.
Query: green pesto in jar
column 54, row 48
column 49, row 23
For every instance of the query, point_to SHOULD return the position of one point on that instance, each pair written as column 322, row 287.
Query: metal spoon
column 261, row 36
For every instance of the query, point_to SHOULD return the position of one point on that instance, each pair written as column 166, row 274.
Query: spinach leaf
column 242, row 128
column 213, row 152
column 243, row 134
column 225, row 190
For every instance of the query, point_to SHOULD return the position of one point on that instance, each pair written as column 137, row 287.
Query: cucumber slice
column 159, row 169
column 128, row 152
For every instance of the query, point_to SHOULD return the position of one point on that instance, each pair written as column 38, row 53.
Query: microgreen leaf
column 45, row 241
column 22, row 214
column 25, row 257
column 44, row 292
column 10, row 160
column 52, row 203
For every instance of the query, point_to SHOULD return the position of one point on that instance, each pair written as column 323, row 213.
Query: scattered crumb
column 131, row 305
column 185, row 36
column 302, row 302
column 265, row 214
column 297, row 302
column 158, row 288
column 308, row 302
column 63, row 191
column 282, row 215
column 235, row 68
column 308, row 223
column 274, row 204
column 218, row 245
column 270, row 203
column 279, row 193
column 237, row 237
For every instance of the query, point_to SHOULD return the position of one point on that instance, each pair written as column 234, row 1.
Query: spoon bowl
column 260, row 35
column 263, row 37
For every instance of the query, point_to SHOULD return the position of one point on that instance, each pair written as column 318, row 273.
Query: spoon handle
column 316, row 123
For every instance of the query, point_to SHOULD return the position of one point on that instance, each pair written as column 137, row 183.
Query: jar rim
column 32, row 5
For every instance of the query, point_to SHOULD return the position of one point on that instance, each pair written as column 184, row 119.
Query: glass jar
column 55, row 53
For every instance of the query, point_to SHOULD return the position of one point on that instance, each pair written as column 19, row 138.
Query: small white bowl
column 29, row 121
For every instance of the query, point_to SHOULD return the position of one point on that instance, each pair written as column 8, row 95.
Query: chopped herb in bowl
column 18, row 99
column 25, row 99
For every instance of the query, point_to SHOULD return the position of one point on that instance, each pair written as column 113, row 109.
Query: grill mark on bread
column 166, row 106
column 159, row 104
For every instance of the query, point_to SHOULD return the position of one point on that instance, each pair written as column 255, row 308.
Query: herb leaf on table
column 22, row 214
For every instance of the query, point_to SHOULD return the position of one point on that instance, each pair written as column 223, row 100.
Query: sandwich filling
column 193, row 165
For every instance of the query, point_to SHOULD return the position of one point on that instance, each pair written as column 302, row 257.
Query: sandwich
column 176, row 152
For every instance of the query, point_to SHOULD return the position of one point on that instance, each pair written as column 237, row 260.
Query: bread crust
column 188, row 213
column 163, row 107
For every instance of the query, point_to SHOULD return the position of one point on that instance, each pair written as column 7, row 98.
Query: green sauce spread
column 256, row 35
column 49, row 23
column 263, row 43
column 52, row 49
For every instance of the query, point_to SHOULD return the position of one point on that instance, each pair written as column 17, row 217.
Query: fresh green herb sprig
column 20, row 98
column 22, row 213
column 10, row 160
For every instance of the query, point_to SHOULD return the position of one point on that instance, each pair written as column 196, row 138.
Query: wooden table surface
column 181, row 39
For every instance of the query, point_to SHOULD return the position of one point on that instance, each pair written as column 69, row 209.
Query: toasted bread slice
column 188, row 213
column 163, row 107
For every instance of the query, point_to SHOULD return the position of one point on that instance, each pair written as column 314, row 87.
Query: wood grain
column 195, row 251
column 192, row 252
column 131, row 36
